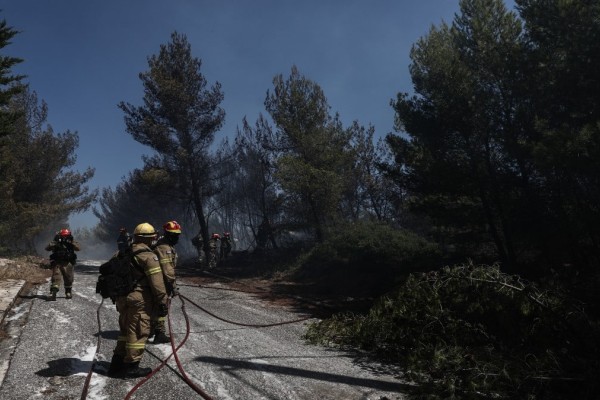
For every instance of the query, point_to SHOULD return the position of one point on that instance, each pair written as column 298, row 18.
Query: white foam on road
column 91, row 263
column 17, row 312
column 59, row 317
column 81, row 366
column 96, row 388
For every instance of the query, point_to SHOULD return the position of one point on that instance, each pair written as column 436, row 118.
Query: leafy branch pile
column 470, row 331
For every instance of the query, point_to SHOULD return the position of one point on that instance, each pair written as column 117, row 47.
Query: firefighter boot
column 68, row 293
column 161, row 337
column 116, row 366
column 53, row 292
column 133, row 370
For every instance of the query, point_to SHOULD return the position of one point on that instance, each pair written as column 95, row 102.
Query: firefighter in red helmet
column 62, row 261
column 167, row 257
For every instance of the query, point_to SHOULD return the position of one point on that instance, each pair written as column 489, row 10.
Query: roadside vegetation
column 474, row 332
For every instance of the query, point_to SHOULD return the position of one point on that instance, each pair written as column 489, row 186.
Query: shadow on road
column 109, row 335
column 229, row 364
column 65, row 367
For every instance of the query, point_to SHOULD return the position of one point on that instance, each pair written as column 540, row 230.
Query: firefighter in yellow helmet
column 167, row 257
column 62, row 260
column 135, row 309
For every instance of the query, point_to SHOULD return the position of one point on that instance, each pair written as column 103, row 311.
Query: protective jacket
column 167, row 258
column 150, row 267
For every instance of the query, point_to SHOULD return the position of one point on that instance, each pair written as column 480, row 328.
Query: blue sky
column 84, row 57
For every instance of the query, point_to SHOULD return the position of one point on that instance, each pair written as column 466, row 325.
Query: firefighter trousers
column 61, row 272
column 135, row 311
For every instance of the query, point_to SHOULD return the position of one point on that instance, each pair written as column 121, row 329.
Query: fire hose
column 185, row 377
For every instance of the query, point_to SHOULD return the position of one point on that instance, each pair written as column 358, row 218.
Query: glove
column 162, row 310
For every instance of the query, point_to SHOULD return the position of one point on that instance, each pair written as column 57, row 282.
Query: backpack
column 116, row 275
column 63, row 252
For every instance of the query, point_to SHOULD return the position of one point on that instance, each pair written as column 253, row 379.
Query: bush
column 377, row 247
column 469, row 331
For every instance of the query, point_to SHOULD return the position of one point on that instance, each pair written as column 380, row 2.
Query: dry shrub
column 31, row 269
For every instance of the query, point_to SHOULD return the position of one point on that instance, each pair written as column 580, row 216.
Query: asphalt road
column 52, row 346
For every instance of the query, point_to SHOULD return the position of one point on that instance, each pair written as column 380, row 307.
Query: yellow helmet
column 144, row 230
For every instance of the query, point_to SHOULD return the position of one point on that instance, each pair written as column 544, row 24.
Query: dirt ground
column 318, row 293
column 32, row 269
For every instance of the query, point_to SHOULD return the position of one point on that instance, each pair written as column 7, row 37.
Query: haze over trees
column 494, row 171
column 494, row 159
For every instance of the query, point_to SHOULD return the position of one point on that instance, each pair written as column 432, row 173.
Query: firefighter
column 214, row 246
column 167, row 257
column 62, row 260
column 135, row 308
column 123, row 240
column 226, row 245
column 198, row 242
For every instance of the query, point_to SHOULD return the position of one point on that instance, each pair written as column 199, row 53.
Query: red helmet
column 216, row 236
column 226, row 234
column 64, row 232
column 172, row 226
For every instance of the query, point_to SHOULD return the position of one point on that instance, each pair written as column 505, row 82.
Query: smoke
column 94, row 250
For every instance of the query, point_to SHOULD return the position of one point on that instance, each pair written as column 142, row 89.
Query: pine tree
column 179, row 119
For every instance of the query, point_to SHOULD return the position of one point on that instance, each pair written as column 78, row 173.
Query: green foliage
column 9, row 87
column 501, row 143
column 470, row 330
column 374, row 247
column 9, row 83
column 315, row 151
column 40, row 188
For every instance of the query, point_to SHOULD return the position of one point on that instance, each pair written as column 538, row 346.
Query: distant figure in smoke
column 264, row 236
column 214, row 245
column 226, row 245
column 198, row 242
